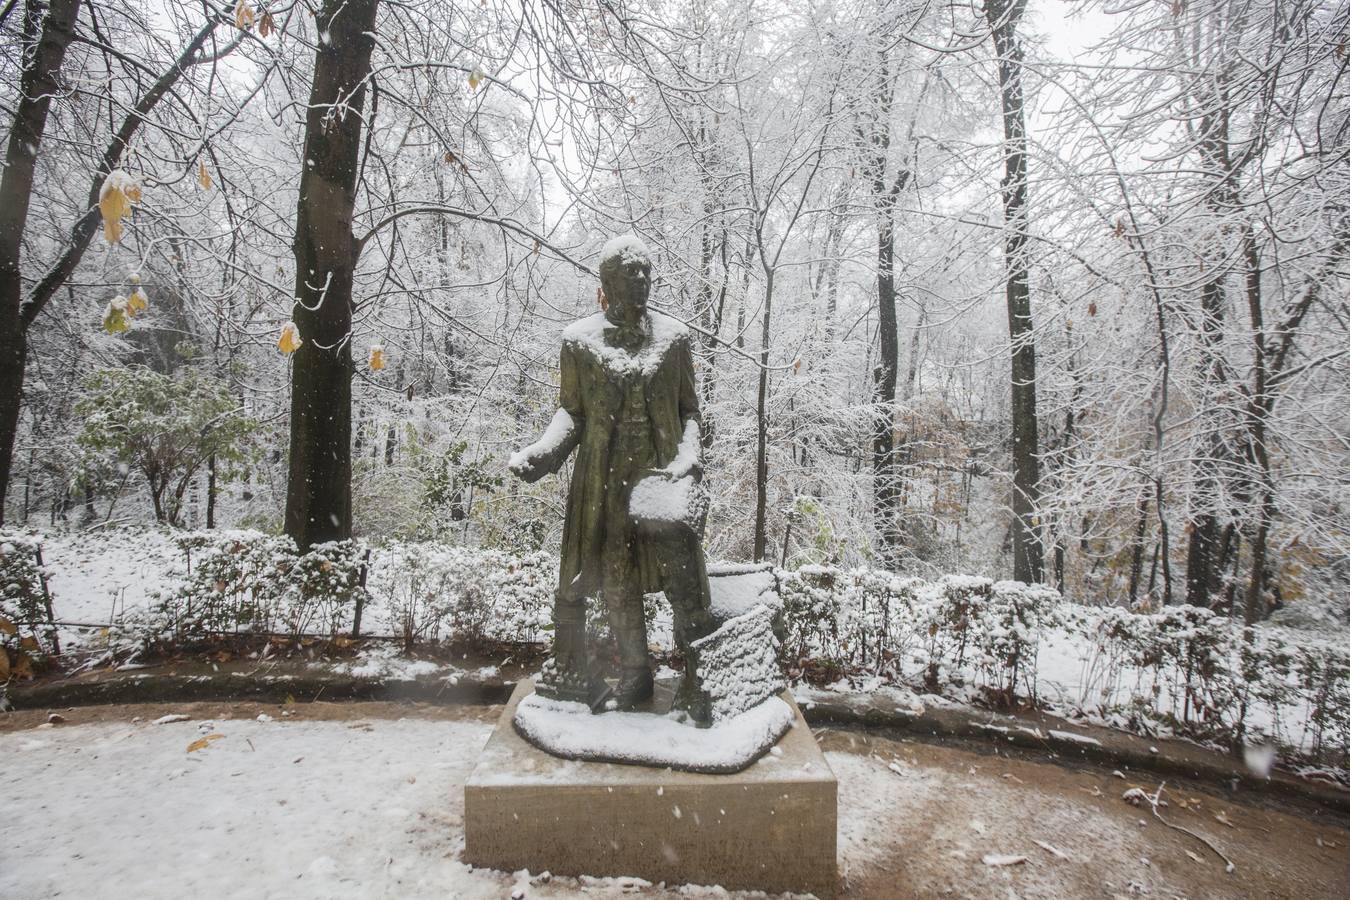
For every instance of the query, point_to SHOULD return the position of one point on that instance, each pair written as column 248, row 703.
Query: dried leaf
column 203, row 176
column 476, row 77
column 120, row 190
column 243, row 15
column 22, row 667
column 115, row 317
column 4, row 664
column 265, row 25
column 290, row 340
column 203, row 742
column 137, row 302
column 8, row 627
column 377, row 360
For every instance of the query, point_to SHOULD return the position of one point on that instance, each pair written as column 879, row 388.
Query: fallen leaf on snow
column 203, row 742
column 1000, row 859
column 1052, row 850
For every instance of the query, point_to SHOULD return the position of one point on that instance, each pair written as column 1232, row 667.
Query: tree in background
column 166, row 427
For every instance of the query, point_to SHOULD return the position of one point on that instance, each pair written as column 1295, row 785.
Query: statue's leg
column 684, row 578
column 628, row 621
column 569, row 674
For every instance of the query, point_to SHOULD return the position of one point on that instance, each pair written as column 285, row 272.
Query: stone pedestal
column 770, row 827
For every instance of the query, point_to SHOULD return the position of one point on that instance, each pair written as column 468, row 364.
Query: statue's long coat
column 592, row 393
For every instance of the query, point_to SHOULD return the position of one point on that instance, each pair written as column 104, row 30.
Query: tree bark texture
column 319, row 490
column 47, row 33
column 1003, row 17
column 885, row 476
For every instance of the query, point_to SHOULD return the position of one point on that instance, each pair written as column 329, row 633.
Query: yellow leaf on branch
column 476, row 77
column 115, row 317
column 290, row 338
column 203, row 176
column 120, row 190
column 243, row 15
column 137, row 302
column 376, row 357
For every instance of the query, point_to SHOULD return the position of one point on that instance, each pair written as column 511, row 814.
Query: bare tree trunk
column 319, row 489
column 762, row 424
column 45, row 39
column 1003, row 17
column 885, row 490
column 211, row 492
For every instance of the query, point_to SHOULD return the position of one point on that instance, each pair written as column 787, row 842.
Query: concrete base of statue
column 770, row 827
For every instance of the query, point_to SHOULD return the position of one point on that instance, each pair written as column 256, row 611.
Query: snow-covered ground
column 371, row 807
column 272, row 808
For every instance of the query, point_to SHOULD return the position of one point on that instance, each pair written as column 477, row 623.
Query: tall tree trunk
column 211, row 492
column 885, row 490
column 319, row 489
column 45, row 39
column 1003, row 17
column 762, row 424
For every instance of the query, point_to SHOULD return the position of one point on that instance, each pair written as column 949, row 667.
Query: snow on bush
column 426, row 592
column 1182, row 670
column 249, row 582
column 25, row 618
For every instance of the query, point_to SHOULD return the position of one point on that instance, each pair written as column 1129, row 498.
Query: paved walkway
column 363, row 800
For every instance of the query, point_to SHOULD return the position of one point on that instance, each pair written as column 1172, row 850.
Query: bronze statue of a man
column 629, row 407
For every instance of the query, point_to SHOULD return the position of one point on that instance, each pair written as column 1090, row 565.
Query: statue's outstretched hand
column 526, row 467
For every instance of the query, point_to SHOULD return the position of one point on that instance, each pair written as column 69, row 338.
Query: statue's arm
column 547, row 454
column 689, row 456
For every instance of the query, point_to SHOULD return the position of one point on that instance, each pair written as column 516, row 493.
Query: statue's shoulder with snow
column 629, row 407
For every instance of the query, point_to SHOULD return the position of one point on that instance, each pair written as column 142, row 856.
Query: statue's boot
column 630, row 633
column 569, row 674
column 693, row 701
column 635, row 686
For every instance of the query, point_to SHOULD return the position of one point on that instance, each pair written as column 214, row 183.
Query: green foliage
column 165, row 427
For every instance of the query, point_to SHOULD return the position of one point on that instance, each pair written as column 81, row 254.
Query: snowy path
column 302, row 808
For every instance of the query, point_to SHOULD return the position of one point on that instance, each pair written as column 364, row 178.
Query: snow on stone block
column 739, row 663
column 737, row 589
column 571, row 731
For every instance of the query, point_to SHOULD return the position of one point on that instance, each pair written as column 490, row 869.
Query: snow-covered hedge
column 1183, row 670
column 426, row 592
column 25, row 616
column 246, row 581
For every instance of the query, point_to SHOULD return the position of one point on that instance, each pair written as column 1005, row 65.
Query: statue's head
column 626, row 278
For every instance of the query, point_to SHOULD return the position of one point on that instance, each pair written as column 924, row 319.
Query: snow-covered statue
column 635, row 510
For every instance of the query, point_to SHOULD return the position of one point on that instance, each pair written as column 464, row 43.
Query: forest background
column 1055, row 292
